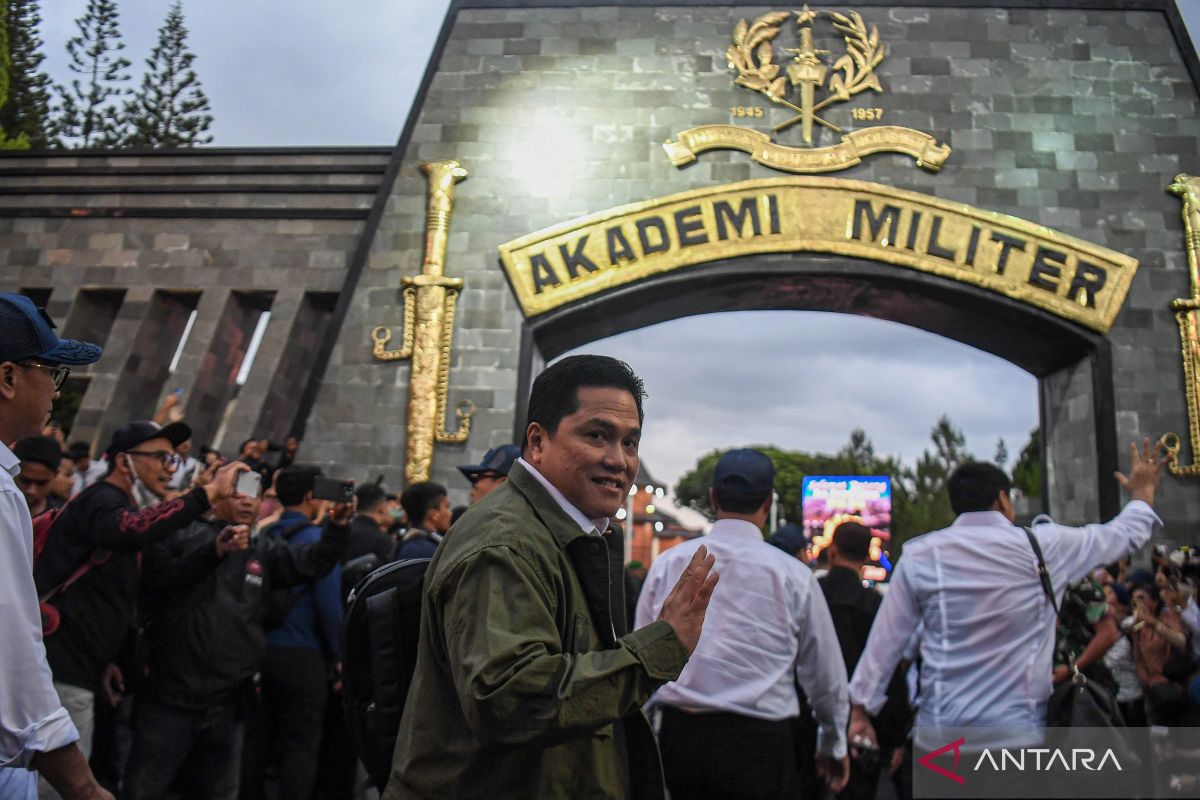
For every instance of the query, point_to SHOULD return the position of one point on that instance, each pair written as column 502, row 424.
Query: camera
column 333, row 489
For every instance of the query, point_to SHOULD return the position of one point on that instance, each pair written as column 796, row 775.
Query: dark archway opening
column 1073, row 365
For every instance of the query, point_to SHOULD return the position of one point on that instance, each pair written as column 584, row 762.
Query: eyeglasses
column 489, row 476
column 59, row 372
column 167, row 458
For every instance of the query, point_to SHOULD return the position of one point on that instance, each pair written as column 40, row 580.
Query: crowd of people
column 177, row 622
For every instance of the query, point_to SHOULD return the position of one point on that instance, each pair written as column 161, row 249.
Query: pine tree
column 1001, row 457
column 170, row 109
column 88, row 115
column 27, row 111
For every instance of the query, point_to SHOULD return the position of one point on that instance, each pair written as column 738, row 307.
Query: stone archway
column 1034, row 297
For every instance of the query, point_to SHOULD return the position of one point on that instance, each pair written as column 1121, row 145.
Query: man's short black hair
column 39, row 450
column 369, row 495
column 419, row 498
column 853, row 541
column 975, row 485
column 736, row 501
column 555, row 393
column 292, row 483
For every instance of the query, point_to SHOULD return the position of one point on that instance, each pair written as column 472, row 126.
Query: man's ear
column 8, row 380
column 712, row 499
column 535, row 438
column 766, row 506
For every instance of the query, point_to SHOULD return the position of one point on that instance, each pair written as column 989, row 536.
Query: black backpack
column 379, row 654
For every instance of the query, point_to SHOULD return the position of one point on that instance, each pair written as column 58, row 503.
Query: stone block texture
column 1076, row 119
column 123, row 247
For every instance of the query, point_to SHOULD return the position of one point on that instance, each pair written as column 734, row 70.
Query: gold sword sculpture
column 1187, row 313
column 429, row 302
column 807, row 72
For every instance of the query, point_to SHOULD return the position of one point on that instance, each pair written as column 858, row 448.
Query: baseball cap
column 498, row 459
column 745, row 471
column 27, row 331
column 130, row 436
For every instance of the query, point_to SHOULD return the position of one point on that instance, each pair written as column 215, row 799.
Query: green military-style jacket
column 527, row 684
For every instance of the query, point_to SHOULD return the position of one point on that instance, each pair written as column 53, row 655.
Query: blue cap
column 27, row 331
column 745, row 471
column 498, row 459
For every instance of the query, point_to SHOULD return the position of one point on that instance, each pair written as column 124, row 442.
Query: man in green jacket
column 527, row 684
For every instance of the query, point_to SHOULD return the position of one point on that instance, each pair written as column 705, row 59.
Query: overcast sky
column 304, row 72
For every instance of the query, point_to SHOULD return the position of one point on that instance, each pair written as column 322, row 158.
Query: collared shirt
column 82, row 480
column 592, row 526
column 767, row 627
column 1191, row 618
column 32, row 718
column 989, row 628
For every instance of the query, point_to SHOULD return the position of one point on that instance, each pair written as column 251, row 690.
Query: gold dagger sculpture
column 429, row 302
column 807, row 72
column 1187, row 188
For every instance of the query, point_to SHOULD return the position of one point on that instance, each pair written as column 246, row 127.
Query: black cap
column 40, row 450
column 127, row 437
column 498, row 459
column 27, row 331
column 746, row 472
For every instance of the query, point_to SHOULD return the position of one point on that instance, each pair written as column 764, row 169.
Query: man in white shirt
column 989, row 628
column 87, row 471
column 727, row 720
column 35, row 731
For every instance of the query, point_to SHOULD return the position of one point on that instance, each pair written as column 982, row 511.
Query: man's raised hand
column 687, row 603
column 1142, row 481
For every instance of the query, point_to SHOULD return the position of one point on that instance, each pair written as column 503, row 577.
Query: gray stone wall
column 125, row 245
column 1075, row 119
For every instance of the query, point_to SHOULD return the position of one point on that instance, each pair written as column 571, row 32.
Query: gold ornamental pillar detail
column 429, row 304
column 1187, row 314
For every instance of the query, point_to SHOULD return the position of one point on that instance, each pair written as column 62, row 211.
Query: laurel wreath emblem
column 752, row 56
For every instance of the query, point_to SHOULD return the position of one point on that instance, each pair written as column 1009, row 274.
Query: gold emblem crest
column 752, row 56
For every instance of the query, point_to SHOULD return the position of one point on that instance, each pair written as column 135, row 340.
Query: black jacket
column 98, row 610
column 206, row 637
column 367, row 537
column 853, row 608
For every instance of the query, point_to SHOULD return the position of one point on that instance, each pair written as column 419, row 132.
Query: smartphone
column 333, row 489
column 249, row 483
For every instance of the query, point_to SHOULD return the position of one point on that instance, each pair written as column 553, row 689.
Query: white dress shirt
column 32, row 718
column 766, row 627
column 82, row 480
column 988, row 640
column 1191, row 618
column 595, row 527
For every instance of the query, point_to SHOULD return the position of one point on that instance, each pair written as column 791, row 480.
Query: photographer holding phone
column 104, row 529
column 210, row 582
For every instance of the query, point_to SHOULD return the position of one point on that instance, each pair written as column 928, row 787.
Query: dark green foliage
column 920, row 502
column 1001, row 457
column 27, row 111
column 170, row 109
column 88, row 114
column 1027, row 473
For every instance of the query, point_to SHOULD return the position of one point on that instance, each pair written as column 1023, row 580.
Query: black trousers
column 295, row 685
column 727, row 756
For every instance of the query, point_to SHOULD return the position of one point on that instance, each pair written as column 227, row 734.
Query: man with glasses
column 492, row 471
column 35, row 731
column 103, row 529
